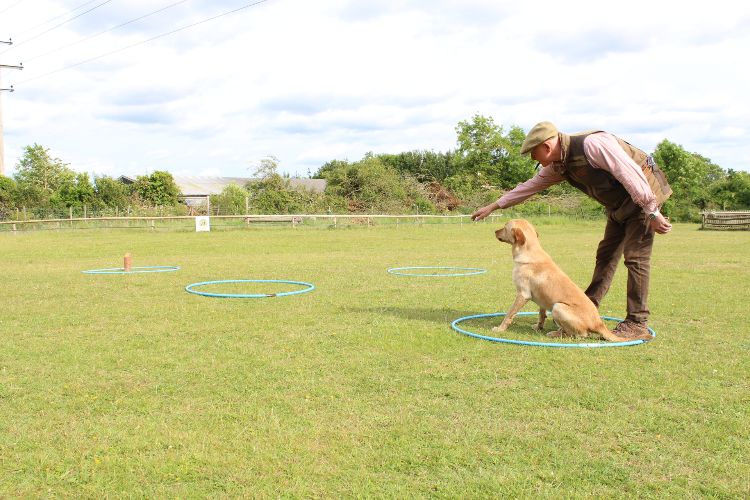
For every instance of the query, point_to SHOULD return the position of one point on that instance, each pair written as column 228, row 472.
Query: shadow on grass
column 416, row 313
column 521, row 329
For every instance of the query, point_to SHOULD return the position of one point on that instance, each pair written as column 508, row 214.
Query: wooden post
column 127, row 263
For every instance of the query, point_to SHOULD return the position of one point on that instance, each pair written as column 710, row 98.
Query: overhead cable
column 10, row 7
column 55, row 18
column 61, row 24
column 27, row 59
column 253, row 4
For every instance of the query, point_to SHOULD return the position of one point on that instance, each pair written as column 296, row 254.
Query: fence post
column 85, row 214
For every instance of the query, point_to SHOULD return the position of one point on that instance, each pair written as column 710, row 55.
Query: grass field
column 126, row 385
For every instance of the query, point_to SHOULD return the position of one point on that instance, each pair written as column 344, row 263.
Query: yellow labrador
column 539, row 279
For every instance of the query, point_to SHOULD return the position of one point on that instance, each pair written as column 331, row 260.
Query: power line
column 26, row 60
column 61, row 24
column 253, row 4
column 8, row 8
column 56, row 17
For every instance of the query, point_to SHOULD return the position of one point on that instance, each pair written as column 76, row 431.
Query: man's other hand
column 660, row 224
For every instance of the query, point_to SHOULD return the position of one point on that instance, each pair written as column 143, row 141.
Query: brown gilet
column 600, row 184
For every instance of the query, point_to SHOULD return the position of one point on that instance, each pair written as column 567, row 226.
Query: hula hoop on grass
column 133, row 270
column 470, row 271
column 190, row 287
column 455, row 326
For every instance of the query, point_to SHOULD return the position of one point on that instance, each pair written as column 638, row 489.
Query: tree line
column 485, row 163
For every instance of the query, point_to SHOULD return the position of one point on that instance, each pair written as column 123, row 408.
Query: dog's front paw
column 557, row 334
column 500, row 328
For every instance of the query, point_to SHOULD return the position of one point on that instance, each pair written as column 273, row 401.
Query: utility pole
column 10, row 89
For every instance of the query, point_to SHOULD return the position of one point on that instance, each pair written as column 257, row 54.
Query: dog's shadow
column 443, row 316
column 440, row 316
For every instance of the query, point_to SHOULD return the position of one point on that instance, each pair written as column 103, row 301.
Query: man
column 627, row 182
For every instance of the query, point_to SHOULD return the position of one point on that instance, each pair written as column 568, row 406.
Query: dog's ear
column 519, row 236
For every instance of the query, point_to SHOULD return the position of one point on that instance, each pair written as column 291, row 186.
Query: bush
column 371, row 186
column 8, row 192
column 231, row 201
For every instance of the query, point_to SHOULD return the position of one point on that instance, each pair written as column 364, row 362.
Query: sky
column 116, row 87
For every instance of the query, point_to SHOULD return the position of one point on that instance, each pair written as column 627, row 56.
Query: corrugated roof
column 202, row 186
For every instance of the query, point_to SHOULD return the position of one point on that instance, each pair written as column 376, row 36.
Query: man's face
column 543, row 153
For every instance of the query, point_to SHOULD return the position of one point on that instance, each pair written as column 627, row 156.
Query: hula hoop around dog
column 190, row 287
column 455, row 326
column 470, row 271
column 133, row 270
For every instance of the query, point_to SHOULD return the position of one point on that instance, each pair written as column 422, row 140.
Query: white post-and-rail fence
column 732, row 221
column 294, row 220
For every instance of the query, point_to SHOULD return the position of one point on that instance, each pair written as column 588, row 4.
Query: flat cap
column 537, row 135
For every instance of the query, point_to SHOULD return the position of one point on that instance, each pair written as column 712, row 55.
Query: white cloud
column 310, row 82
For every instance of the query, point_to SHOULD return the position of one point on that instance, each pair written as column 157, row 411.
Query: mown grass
column 119, row 385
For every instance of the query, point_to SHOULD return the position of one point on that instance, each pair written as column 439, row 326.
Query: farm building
column 195, row 191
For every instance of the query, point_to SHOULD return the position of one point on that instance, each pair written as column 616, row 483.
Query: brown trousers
column 625, row 234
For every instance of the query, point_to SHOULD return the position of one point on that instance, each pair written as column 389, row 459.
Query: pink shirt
column 602, row 151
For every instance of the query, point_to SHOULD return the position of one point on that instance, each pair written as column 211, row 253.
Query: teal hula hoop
column 190, row 288
column 455, row 326
column 133, row 270
column 470, row 271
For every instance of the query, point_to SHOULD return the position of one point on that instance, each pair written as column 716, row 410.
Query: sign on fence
column 202, row 223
